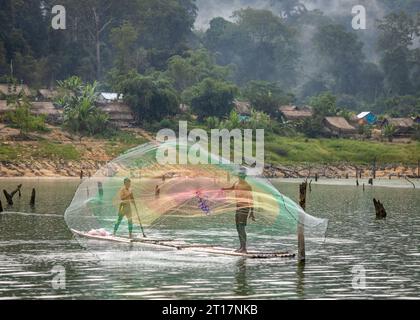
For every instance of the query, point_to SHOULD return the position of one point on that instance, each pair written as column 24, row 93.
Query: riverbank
column 341, row 171
column 56, row 153
column 67, row 169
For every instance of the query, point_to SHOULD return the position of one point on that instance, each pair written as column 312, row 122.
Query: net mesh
column 189, row 201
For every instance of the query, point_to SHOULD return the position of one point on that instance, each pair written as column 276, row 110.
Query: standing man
column 244, row 208
column 126, row 198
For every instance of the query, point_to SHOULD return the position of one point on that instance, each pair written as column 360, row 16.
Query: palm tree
column 389, row 132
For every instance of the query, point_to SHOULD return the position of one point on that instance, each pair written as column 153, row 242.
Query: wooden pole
column 374, row 168
column 301, row 222
column 100, row 190
column 1, row 207
column 33, row 195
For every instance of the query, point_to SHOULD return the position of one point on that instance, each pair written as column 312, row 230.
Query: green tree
column 81, row 116
column 211, row 97
column 259, row 43
column 266, row 96
column 232, row 122
column 22, row 118
column 123, row 39
column 341, row 54
column 389, row 132
column 150, row 97
column 324, row 105
column 397, row 32
column 193, row 67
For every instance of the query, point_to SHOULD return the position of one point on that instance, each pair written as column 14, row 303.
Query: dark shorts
column 241, row 216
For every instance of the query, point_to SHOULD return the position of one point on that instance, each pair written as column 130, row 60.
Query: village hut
column 109, row 97
column 404, row 127
column 7, row 89
column 294, row 113
column 366, row 117
column 46, row 109
column 47, row 94
column 338, row 126
column 120, row 114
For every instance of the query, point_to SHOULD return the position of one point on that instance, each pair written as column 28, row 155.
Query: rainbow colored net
column 188, row 202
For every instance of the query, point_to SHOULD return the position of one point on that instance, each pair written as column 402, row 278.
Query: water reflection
column 242, row 287
column 300, row 280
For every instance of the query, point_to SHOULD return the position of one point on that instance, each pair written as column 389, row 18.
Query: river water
column 362, row 257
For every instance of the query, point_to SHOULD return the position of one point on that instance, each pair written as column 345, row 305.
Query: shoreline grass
column 287, row 150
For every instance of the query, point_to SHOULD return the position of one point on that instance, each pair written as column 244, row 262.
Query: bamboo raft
column 181, row 245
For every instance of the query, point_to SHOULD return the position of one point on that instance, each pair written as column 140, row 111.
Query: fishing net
column 189, row 201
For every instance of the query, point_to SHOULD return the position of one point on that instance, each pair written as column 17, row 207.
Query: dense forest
column 155, row 53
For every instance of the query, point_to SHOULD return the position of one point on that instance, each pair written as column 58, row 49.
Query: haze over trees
column 283, row 52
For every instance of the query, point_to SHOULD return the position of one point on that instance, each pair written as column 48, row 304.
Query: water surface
column 33, row 246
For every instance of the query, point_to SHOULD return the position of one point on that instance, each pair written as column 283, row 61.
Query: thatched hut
column 47, row 109
column 294, row 113
column 47, row 94
column 243, row 108
column 338, row 126
column 404, row 127
column 7, row 89
column 119, row 114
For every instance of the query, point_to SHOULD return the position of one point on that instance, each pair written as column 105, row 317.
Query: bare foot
column 243, row 250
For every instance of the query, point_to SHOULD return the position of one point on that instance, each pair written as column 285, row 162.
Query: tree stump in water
column 1, row 207
column 379, row 209
column 370, row 181
column 32, row 202
column 9, row 197
column 16, row 190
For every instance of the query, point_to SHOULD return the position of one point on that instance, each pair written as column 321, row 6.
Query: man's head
column 127, row 182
